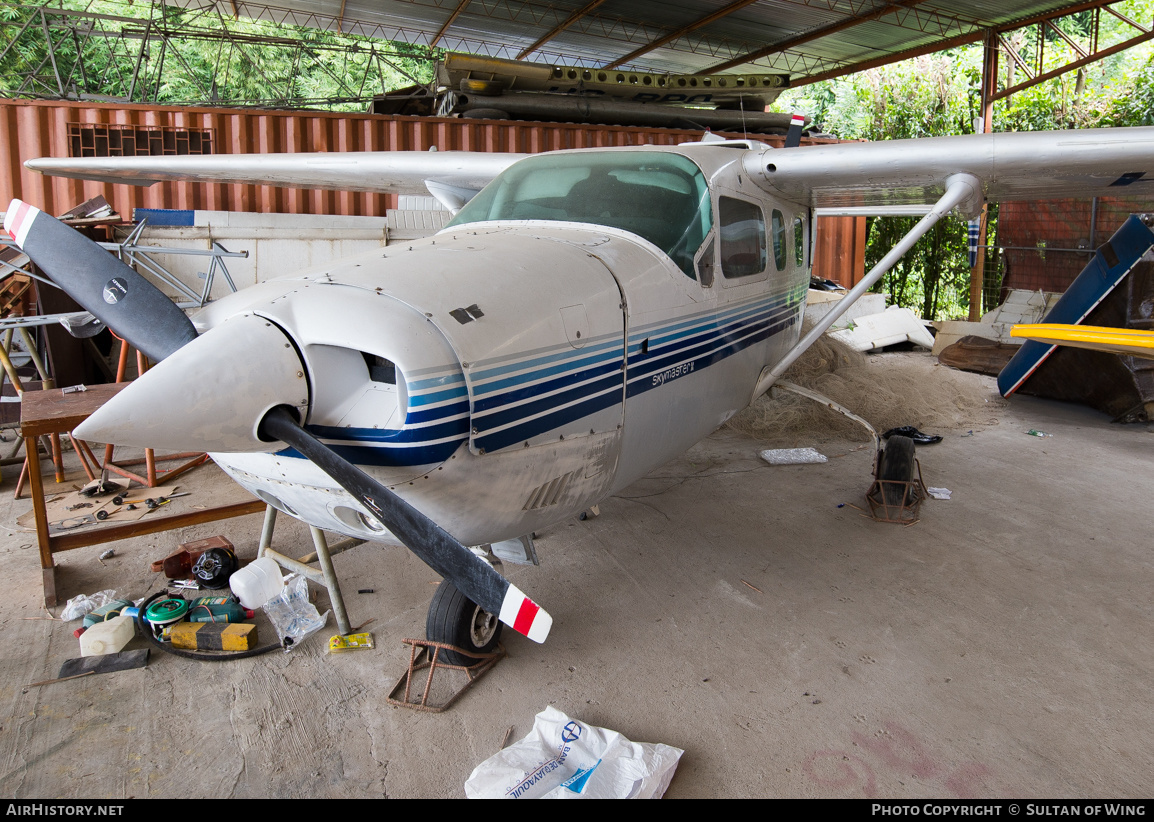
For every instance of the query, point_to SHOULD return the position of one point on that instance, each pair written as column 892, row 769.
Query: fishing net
column 889, row 390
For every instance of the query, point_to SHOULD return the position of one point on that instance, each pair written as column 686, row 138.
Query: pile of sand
column 888, row 390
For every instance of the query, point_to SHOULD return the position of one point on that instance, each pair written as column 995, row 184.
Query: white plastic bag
column 85, row 604
column 563, row 758
column 292, row 616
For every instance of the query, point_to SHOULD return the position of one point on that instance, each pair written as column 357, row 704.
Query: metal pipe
column 30, row 344
column 156, row 249
column 340, row 547
column 296, row 566
column 331, row 581
column 6, row 362
column 1093, row 223
column 266, row 531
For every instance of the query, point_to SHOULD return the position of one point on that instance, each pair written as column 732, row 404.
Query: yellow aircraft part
column 1097, row 338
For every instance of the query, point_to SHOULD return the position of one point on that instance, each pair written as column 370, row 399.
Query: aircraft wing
column 868, row 178
column 381, row 172
column 878, row 177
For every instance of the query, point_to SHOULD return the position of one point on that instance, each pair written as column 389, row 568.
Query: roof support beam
column 853, row 68
column 452, row 18
column 974, row 37
column 560, row 27
column 814, row 34
column 1126, row 19
column 725, row 11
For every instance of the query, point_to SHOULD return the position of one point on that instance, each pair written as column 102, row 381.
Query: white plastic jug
column 107, row 637
column 257, row 583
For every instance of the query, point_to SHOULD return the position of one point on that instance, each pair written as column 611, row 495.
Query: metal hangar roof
column 807, row 39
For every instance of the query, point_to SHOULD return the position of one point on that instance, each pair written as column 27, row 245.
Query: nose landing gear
column 455, row 620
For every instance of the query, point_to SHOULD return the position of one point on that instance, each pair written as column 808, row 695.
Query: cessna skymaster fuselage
column 491, row 375
column 585, row 317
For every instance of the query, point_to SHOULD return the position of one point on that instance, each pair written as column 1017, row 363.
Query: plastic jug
column 107, row 637
column 257, row 583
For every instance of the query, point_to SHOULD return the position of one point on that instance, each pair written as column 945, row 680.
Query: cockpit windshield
column 659, row 196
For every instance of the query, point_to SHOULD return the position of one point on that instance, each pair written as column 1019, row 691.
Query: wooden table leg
column 57, row 457
column 38, row 506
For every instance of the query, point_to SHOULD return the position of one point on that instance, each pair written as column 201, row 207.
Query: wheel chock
column 425, row 655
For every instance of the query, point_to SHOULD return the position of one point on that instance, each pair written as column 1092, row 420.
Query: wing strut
column 961, row 190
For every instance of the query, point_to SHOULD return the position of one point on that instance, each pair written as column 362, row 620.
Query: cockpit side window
column 743, row 241
column 661, row 197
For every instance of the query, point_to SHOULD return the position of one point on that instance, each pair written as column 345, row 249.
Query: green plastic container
column 105, row 612
column 217, row 609
column 165, row 612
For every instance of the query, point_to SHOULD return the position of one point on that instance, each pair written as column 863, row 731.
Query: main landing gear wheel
column 896, row 465
column 456, row 620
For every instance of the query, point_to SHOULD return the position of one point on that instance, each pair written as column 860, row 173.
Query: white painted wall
column 277, row 244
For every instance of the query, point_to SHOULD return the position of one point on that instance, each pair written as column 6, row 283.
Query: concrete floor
column 1001, row 647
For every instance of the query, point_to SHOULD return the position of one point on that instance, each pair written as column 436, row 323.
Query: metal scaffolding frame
column 82, row 55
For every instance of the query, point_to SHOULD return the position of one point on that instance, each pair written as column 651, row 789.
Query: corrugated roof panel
column 619, row 27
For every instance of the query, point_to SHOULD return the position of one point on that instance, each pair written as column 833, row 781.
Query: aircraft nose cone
column 210, row 395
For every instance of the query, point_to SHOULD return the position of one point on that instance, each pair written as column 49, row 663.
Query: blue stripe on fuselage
column 685, row 346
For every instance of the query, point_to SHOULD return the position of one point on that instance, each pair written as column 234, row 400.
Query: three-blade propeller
column 152, row 323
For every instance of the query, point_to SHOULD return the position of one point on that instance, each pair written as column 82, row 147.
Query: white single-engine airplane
column 585, row 317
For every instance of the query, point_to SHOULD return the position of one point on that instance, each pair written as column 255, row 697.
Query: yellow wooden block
column 213, row 636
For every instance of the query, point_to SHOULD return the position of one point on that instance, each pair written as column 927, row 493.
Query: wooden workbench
column 54, row 412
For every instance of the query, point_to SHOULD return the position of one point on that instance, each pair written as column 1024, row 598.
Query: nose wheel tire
column 895, row 466
column 456, row 620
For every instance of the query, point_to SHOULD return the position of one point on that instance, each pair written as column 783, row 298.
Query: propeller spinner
column 270, row 410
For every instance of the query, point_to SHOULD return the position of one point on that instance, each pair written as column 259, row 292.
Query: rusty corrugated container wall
column 37, row 128
column 839, row 253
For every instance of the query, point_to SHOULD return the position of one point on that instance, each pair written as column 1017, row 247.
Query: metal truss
column 1034, row 68
column 49, row 52
column 134, row 57
column 1003, row 35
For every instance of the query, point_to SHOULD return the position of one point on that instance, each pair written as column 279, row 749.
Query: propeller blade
column 793, row 136
column 438, row 549
column 103, row 285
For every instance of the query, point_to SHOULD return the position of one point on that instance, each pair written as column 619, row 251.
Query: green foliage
column 1134, row 105
column 925, row 97
column 941, row 95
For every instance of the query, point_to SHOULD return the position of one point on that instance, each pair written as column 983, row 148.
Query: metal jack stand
column 912, row 493
column 425, row 654
column 325, row 575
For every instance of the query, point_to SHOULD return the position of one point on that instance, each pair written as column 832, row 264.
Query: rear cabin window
column 658, row 196
column 778, row 240
column 743, row 246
